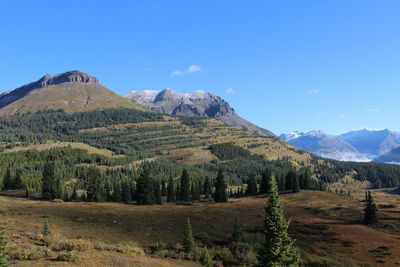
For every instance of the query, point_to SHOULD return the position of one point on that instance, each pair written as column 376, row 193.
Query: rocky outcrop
column 198, row 103
column 47, row 80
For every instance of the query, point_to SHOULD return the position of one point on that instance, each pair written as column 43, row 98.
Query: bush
column 70, row 245
column 70, row 256
column 129, row 247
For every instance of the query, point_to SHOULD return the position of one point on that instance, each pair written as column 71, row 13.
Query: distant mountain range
column 362, row 145
column 197, row 103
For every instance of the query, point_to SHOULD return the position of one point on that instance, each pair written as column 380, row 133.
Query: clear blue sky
column 284, row 65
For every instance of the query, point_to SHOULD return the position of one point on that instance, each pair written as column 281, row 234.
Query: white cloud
column 313, row 91
column 372, row 110
column 229, row 91
column 190, row 69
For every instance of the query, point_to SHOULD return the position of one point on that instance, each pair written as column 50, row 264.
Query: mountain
column 393, row 157
column 71, row 91
column 362, row 145
column 198, row 103
column 323, row 144
column 372, row 142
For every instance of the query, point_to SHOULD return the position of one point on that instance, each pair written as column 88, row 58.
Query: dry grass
column 324, row 224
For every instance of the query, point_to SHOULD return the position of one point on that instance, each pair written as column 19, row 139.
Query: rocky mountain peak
column 69, row 76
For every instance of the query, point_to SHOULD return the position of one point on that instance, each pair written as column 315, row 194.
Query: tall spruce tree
column 49, row 180
column 290, row 177
column 278, row 248
column 220, row 194
column 3, row 255
column 7, row 180
column 46, row 227
column 295, row 184
column 185, row 187
column 163, row 188
column 251, row 186
column 144, row 187
column 158, row 193
column 117, row 192
column 188, row 243
column 264, row 185
column 94, row 185
column 170, row 190
column 126, row 192
column 207, row 189
column 370, row 210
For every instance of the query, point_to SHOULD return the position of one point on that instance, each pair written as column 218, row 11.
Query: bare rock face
column 67, row 77
column 198, row 103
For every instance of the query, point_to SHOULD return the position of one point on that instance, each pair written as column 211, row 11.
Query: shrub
column 129, row 247
column 70, row 256
column 70, row 245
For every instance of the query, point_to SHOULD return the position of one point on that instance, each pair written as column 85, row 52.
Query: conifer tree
column 290, row 176
column 220, row 188
column 170, row 190
column 278, row 248
column 178, row 192
column 163, row 189
column 126, row 192
column 48, row 181
column 144, row 187
column 157, row 193
column 94, row 185
column 185, row 187
column 295, row 184
column 370, row 210
column 264, row 185
column 251, row 186
column 3, row 255
column 207, row 188
column 74, row 193
column 206, row 259
column 189, row 245
column 7, row 180
column 117, row 193
column 17, row 183
column 107, row 192
column 46, row 227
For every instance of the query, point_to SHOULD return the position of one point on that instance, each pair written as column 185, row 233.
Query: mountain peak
column 69, row 76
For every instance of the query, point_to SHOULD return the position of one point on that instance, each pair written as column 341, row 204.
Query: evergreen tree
column 117, row 193
column 144, row 187
column 290, row 177
column 278, row 248
column 48, row 181
column 185, row 187
column 46, row 227
column 17, row 183
column 163, row 189
column 370, row 210
column 178, row 192
column 94, row 185
column 7, row 180
column 264, row 185
column 3, row 255
column 220, row 188
column 74, row 193
column 126, row 192
column 157, row 193
column 207, row 188
column 295, row 184
column 189, row 245
column 107, row 192
column 170, row 190
column 251, row 186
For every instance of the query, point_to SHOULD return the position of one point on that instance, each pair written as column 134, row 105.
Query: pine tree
column 295, row 184
column 207, row 188
column 107, row 192
column 370, row 210
column 278, row 248
column 189, row 245
column 17, row 183
column 178, row 192
column 126, row 192
column 94, row 185
column 251, row 186
column 157, row 193
column 7, row 180
column 3, row 255
column 144, row 187
column 170, row 190
column 220, row 188
column 185, row 187
column 48, row 180
column 290, row 176
column 264, row 186
column 163, row 189
column 46, row 227
column 117, row 193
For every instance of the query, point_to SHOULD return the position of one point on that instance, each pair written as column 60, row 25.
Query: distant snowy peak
column 291, row 135
column 143, row 97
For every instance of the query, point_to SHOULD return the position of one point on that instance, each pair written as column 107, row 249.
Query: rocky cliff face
column 198, row 103
column 47, row 80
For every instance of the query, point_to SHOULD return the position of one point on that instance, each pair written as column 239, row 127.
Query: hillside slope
column 71, row 91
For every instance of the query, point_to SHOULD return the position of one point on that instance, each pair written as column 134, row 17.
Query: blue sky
column 284, row 65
